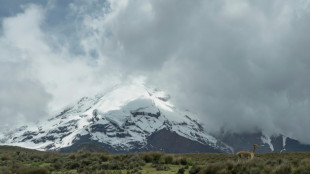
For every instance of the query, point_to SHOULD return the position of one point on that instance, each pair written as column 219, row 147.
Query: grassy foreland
column 25, row 161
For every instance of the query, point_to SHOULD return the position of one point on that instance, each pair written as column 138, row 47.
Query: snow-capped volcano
column 127, row 118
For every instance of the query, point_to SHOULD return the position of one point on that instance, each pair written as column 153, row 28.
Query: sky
column 241, row 66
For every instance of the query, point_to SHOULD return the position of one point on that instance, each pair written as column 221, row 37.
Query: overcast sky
column 240, row 65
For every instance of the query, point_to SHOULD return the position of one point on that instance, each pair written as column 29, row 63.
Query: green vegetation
column 25, row 161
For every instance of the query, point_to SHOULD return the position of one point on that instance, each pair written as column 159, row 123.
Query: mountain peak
column 126, row 118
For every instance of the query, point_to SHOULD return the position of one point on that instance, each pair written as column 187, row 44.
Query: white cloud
column 225, row 60
column 36, row 79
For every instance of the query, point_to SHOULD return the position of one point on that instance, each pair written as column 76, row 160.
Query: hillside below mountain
column 280, row 143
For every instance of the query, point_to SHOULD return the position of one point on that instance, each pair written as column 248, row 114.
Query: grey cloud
column 10, row 8
column 240, row 65
column 39, row 73
column 22, row 100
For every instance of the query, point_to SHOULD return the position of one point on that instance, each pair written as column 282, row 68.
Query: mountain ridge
column 135, row 118
column 275, row 143
column 125, row 119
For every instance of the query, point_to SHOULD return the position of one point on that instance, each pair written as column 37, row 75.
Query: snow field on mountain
column 123, row 118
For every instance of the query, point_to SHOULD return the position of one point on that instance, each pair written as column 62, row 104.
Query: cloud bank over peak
column 240, row 65
column 40, row 75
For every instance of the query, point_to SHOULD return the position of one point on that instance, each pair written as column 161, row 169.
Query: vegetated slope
column 21, row 160
column 128, row 118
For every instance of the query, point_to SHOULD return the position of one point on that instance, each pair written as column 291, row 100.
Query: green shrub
column 168, row 159
column 302, row 170
column 161, row 167
column 117, row 157
column 239, row 168
column 114, row 165
column 255, row 170
column 211, row 169
column 83, row 155
column 147, row 157
column 229, row 165
column 135, row 171
column 33, row 171
column 282, row 169
column 72, row 165
column 86, row 162
column 304, row 167
column 181, row 171
column 104, row 157
column 72, row 156
column 133, row 161
column 96, row 165
column 161, row 160
column 183, row 161
column 5, row 170
column 190, row 163
column 57, row 165
column 295, row 162
column 34, row 164
column 35, row 157
column 54, row 159
column 156, row 156
column 180, row 161
column 5, row 157
column 195, row 169
column 305, row 162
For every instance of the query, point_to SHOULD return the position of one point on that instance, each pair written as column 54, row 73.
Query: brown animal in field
column 247, row 155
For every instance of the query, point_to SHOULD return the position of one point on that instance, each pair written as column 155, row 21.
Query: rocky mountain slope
column 280, row 143
column 127, row 118
column 132, row 118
